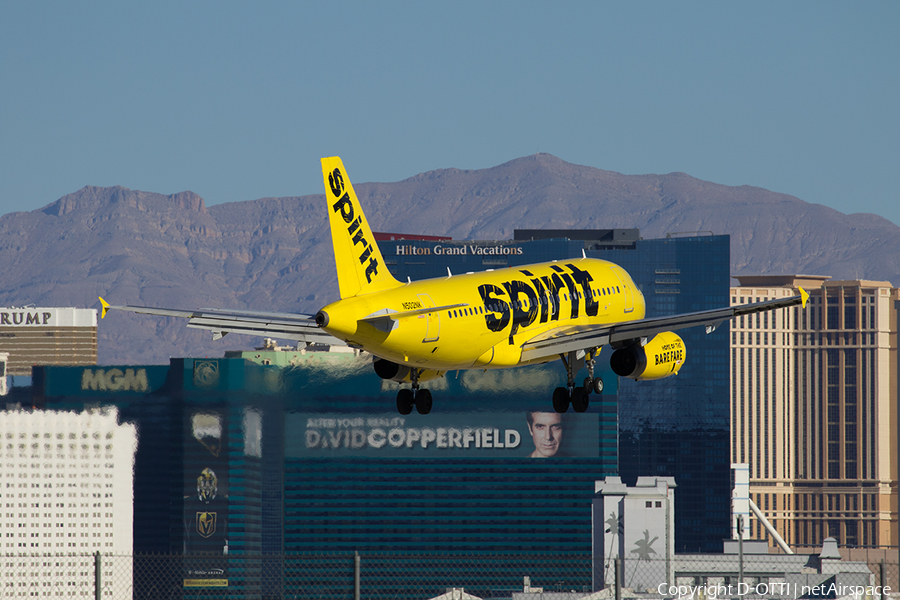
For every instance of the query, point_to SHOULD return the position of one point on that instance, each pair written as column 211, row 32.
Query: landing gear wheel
column 580, row 399
column 593, row 385
column 423, row 402
column 560, row 399
column 405, row 401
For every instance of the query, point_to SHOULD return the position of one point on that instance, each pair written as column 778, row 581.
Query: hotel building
column 813, row 408
column 66, row 481
column 47, row 336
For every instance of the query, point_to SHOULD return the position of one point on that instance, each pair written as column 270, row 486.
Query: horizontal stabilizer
column 289, row 326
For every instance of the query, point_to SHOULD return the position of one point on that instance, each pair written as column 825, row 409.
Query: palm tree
column 615, row 525
column 644, row 548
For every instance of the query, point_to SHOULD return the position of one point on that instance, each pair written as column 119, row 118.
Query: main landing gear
column 578, row 396
column 420, row 398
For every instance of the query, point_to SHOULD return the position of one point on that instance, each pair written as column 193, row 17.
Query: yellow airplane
column 496, row 319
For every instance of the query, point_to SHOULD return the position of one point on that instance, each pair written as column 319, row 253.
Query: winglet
column 104, row 307
column 804, row 296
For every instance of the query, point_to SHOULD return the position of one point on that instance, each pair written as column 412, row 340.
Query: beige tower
column 813, row 408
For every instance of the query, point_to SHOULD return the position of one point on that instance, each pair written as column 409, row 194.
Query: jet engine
column 661, row 357
column 402, row 373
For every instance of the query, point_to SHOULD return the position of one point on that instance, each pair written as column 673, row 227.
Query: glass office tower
column 676, row 427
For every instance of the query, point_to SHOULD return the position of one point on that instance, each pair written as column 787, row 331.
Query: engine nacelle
column 661, row 357
column 402, row 373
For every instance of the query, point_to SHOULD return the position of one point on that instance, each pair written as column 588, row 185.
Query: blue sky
column 238, row 101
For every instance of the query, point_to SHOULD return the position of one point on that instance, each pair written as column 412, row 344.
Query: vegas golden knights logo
column 206, row 524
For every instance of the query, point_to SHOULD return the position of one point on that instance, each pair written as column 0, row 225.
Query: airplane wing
column 572, row 339
column 291, row 326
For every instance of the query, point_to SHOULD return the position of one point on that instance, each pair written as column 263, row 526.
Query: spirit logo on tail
column 344, row 206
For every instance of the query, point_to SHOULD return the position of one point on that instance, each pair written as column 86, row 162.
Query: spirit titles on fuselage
column 519, row 303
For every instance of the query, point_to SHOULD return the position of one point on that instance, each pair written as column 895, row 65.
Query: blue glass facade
column 676, row 427
column 315, row 459
column 680, row 427
column 493, row 501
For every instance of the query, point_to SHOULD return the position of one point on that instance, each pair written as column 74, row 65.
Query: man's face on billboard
column 546, row 432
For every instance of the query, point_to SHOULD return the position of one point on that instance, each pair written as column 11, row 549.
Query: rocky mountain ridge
column 275, row 253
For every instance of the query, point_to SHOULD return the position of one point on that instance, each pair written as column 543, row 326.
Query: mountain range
column 275, row 254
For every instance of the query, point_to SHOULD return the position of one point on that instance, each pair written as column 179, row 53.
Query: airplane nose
column 321, row 318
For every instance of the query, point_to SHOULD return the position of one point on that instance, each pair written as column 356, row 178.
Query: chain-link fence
column 315, row 576
column 424, row 576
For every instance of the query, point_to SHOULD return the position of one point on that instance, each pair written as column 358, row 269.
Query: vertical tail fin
column 360, row 266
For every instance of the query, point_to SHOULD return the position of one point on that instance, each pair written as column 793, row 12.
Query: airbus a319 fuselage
column 494, row 312
column 416, row 331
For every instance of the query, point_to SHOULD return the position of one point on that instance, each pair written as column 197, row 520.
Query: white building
column 649, row 507
column 632, row 526
column 66, row 493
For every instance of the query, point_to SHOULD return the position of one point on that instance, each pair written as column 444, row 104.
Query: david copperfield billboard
column 449, row 435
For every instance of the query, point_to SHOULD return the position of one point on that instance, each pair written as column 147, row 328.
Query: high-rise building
column 47, row 336
column 813, row 408
column 676, row 427
column 236, row 459
column 66, row 482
